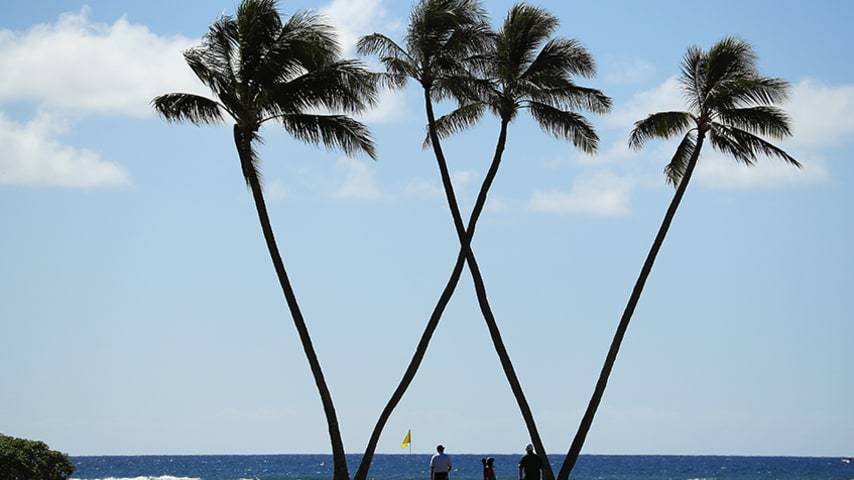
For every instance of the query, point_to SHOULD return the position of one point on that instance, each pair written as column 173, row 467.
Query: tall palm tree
column 440, row 36
column 261, row 68
column 527, row 69
column 732, row 105
column 517, row 77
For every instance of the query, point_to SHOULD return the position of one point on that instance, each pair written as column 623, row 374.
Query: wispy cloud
column 33, row 155
column 602, row 193
column 719, row 172
column 358, row 182
column 628, row 71
column 664, row 97
column 424, row 189
column 821, row 114
column 353, row 19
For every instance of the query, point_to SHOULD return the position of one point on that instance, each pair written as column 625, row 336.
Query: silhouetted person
column 530, row 465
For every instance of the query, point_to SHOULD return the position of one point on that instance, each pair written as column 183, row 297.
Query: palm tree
column 527, row 69
column 732, row 105
column 517, row 77
column 261, row 68
column 441, row 34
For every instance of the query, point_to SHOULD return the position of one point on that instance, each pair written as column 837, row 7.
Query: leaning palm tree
column 527, row 69
column 732, row 105
column 441, row 34
column 517, row 77
column 261, row 68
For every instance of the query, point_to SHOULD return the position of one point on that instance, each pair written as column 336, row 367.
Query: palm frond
column 744, row 146
column 566, row 125
column 693, row 78
column 307, row 38
column 758, row 91
column 525, row 29
column 179, row 107
column 730, row 59
column 675, row 170
column 561, row 58
column 216, row 60
column 331, row 131
column 345, row 85
column 660, row 125
column 456, row 121
column 762, row 120
column 566, row 95
column 258, row 25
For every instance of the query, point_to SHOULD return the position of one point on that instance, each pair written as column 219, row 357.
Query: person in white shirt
column 440, row 464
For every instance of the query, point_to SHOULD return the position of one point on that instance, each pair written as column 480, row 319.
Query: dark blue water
column 466, row 467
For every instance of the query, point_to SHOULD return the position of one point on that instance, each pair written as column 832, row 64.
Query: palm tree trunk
column 243, row 142
column 429, row 329
column 480, row 290
column 411, row 369
column 465, row 255
column 465, row 236
column 587, row 421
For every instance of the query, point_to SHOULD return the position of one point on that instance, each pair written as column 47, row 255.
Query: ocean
column 466, row 467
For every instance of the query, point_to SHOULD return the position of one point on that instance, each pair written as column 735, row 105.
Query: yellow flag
column 406, row 439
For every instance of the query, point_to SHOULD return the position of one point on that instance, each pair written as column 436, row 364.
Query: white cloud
column 359, row 182
column 425, row 188
column 821, row 114
column 275, row 191
column 82, row 66
column 462, row 178
column 603, row 193
column 353, row 19
column 31, row 154
column 629, row 71
column 665, row 97
column 391, row 107
column 717, row 171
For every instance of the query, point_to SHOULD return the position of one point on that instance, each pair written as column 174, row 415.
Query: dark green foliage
column 22, row 459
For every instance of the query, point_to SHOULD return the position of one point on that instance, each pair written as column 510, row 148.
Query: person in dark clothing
column 488, row 468
column 530, row 465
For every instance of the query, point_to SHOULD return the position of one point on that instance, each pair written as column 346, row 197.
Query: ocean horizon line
column 552, row 456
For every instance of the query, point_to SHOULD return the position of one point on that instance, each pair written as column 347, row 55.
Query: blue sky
column 140, row 313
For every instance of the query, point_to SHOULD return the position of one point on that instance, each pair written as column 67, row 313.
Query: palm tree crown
column 261, row 68
column 526, row 68
column 440, row 36
column 729, row 101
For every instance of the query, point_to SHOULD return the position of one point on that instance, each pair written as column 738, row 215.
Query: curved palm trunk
column 465, row 255
column 243, row 143
column 587, row 421
column 411, row 369
column 480, row 290
column 423, row 343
